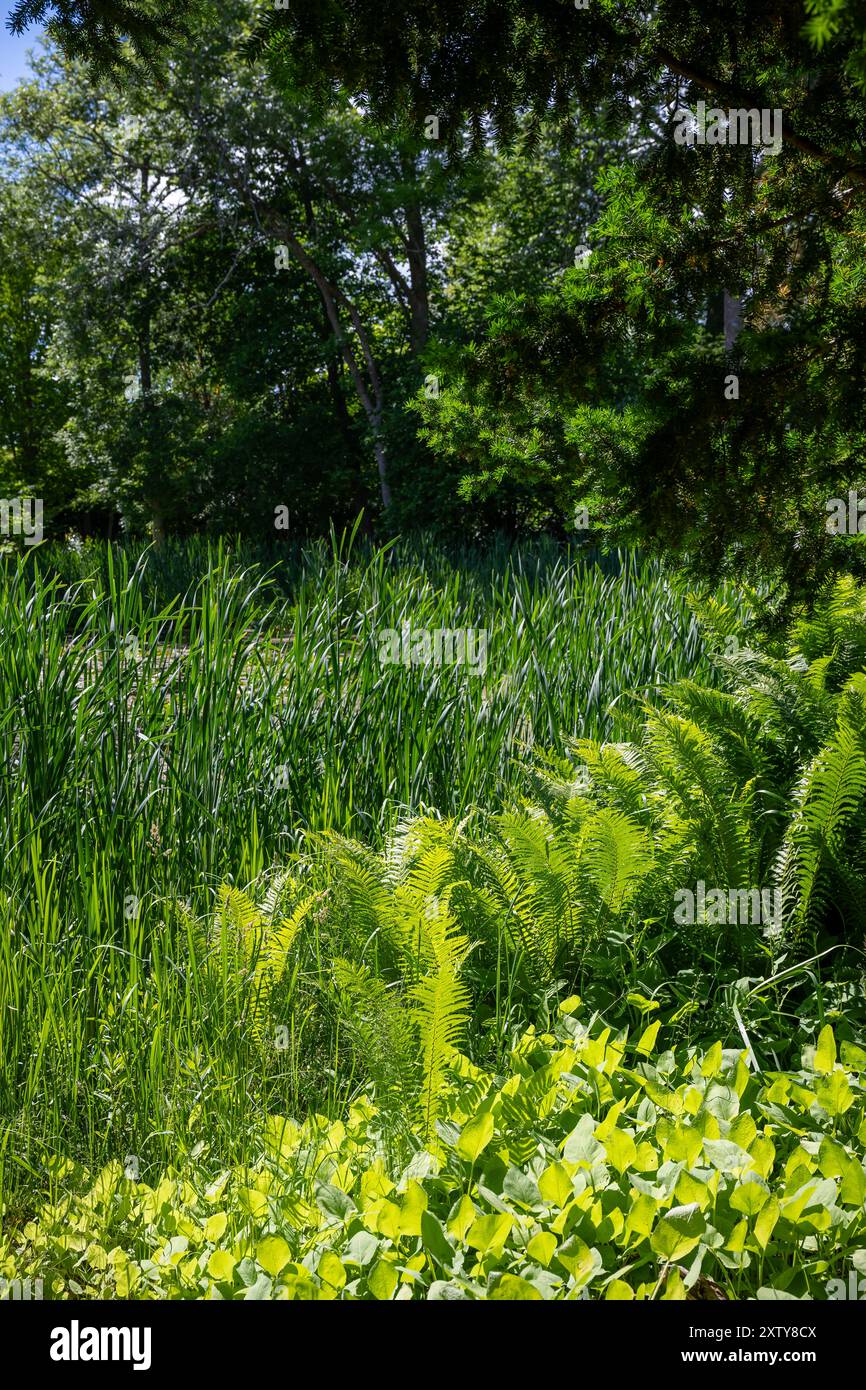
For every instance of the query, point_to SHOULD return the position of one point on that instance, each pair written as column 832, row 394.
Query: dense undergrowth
column 157, row 741
column 599, row 1168
column 252, row 871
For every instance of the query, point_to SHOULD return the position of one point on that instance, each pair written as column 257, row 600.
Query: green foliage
column 831, row 19
column 756, row 792
column 239, row 316
column 197, row 1012
column 227, row 298
column 251, row 948
column 33, row 403
column 596, row 1168
column 234, row 724
column 188, row 717
column 678, row 383
column 441, row 1008
column 113, row 36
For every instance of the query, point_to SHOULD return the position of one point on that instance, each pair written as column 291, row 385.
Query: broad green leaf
column 489, row 1233
column 333, row 1201
column 435, row 1240
column 221, row 1265
column 834, row 1093
column 853, row 1056
column 641, row 1003
column 641, row 1215
column 674, row 1290
column 825, row 1052
column 441, row 1291
column 853, row 1189
column 762, row 1152
column 577, row 1257
column 521, row 1188
column 766, row 1222
column 743, row 1131
column 749, row 1195
column 581, row 1146
column 555, row 1185
column 664, row 1099
column 382, row 1280
column 621, row 1150
column 542, row 1248
column 618, row 1291
column 647, row 1040
column 255, row 1202
column 331, row 1270
column 725, row 1156
column 215, row 1225
column 273, row 1254
column 722, row 1101
column 261, row 1290
column 690, row 1190
column 683, row 1142
column 282, row 1136
column 512, row 1288
column 475, row 1136
column 461, row 1217
column 678, row 1232
column 412, row 1208
column 361, row 1249
column 712, row 1061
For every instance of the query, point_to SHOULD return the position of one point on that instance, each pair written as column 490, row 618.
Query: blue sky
column 13, row 52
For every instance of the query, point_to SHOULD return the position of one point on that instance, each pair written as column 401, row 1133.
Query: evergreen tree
column 697, row 380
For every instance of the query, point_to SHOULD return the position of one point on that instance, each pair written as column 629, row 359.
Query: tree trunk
column 419, row 300
column 145, row 355
column 733, row 317
column 381, row 464
column 368, row 388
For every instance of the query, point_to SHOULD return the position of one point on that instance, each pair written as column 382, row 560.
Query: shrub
column 596, row 1169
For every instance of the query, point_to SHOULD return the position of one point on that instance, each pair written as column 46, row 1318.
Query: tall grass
column 173, row 720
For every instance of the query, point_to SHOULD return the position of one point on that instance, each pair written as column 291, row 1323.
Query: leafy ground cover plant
column 598, row 1167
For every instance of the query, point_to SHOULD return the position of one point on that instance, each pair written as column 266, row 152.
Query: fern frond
column 618, row 771
column 830, row 794
column 381, row 1031
column 689, row 770
column 440, row 1012
column 618, row 856
column 271, row 958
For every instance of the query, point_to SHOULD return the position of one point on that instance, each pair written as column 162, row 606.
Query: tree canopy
column 697, row 381
column 110, row 35
column 540, row 261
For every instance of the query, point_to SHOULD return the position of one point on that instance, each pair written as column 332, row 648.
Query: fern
column 829, row 798
column 759, row 785
column 252, row 948
column 380, row 1028
column 618, row 856
column 440, row 1013
column 271, row 957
